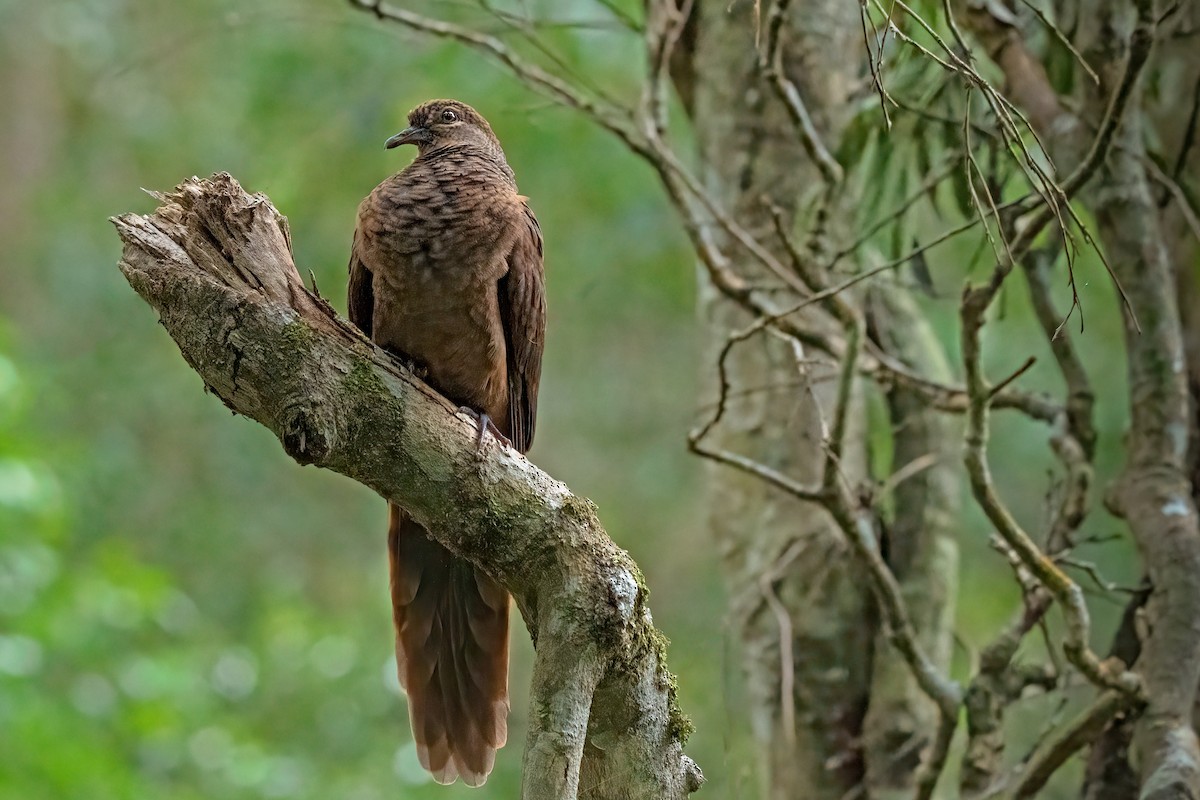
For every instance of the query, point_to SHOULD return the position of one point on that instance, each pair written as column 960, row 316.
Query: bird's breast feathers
column 457, row 230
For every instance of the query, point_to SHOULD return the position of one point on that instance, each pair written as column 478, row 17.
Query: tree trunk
column 811, row 655
column 797, row 602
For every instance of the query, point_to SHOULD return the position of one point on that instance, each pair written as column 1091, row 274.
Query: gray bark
column 832, row 705
column 922, row 549
column 797, row 595
column 1155, row 491
column 216, row 264
column 1154, row 494
column 1144, row 244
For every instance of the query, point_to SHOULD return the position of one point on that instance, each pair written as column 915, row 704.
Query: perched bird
column 446, row 272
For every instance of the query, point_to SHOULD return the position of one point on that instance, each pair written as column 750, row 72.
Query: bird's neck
column 486, row 154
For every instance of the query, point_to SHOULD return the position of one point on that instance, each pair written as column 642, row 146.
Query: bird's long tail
column 451, row 651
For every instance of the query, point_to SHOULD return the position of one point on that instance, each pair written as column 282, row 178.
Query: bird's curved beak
column 414, row 135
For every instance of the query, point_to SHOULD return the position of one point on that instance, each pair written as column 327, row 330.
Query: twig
column 527, row 28
column 787, row 662
column 1093, row 572
column 845, row 391
column 1006, row 113
column 1141, row 39
column 926, row 186
column 1186, row 209
column 622, row 16
column 682, row 184
column 771, row 63
column 1080, row 397
column 808, row 272
column 1055, row 751
column 1063, row 39
column 859, row 528
column 664, row 26
column 907, row 472
column 934, row 761
column 1021, row 370
column 875, row 68
column 1065, row 591
column 954, row 399
column 997, row 684
column 1189, row 133
column 812, row 494
column 974, row 307
column 612, row 118
column 972, row 168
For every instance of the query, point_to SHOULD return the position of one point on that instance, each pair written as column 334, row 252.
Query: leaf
column 962, row 192
column 857, row 138
column 920, row 272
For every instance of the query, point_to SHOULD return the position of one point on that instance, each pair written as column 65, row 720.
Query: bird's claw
column 485, row 424
column 416, row 368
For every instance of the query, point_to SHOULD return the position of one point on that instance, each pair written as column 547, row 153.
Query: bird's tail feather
column 451, row 652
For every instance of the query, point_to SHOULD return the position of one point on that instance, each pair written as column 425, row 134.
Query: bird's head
column 443, row 123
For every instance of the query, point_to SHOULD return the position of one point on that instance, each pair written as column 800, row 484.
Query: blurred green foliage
column 184, row 612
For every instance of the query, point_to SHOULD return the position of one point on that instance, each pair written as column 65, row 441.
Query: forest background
column 186, row 613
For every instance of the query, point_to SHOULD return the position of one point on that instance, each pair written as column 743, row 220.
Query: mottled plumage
column 446, row 271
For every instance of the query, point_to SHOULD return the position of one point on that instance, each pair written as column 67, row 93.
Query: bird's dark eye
column 449, row 116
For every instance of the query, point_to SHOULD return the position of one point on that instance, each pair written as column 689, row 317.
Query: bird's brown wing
column 360, row 295
column 523, row 312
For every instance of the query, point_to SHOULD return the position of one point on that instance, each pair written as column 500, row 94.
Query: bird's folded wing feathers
column 523, row 312
column 360, row 296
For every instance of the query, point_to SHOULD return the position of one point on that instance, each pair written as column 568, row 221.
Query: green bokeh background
column 184, row 612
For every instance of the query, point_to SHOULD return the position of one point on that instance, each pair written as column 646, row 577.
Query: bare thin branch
column 771, row 64
column 1068, row 741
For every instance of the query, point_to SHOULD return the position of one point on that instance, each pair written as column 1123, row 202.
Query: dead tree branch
column 216, row 264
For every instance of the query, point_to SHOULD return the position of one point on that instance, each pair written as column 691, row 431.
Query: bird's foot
column 485, row 424
column 416, row 368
